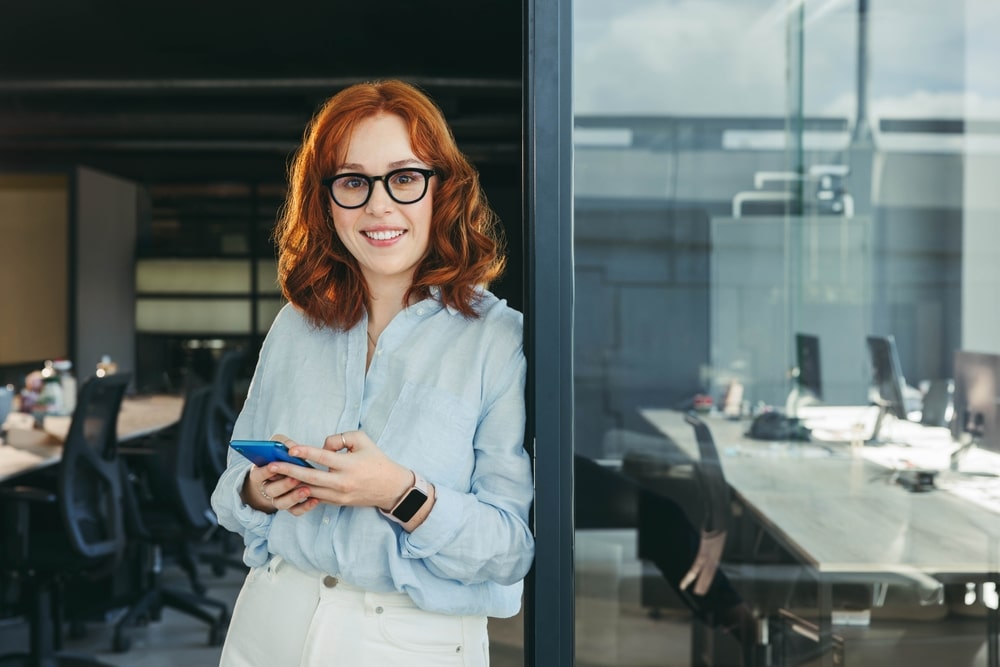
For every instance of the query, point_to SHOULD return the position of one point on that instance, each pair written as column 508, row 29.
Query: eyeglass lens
column 405, row 186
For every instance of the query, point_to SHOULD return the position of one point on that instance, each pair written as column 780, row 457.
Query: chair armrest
column 27, row 493
column 136, row 452
column 16, row 512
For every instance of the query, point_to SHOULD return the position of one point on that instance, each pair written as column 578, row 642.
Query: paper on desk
column 19, row 420
column 57, row 426
column 904, row 457
column 777, row 450
column 17, row 437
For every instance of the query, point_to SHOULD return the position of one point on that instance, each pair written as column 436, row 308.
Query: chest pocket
column 431, row 430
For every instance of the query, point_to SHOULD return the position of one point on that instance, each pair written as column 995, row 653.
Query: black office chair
column 222, row 412
column 170, row 514
column 682, row 512
column 219, row 421
column 73, row 529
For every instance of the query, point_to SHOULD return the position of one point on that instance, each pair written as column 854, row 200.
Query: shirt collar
column 435, row 293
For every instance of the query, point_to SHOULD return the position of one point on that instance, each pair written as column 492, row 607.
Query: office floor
column 612, row 629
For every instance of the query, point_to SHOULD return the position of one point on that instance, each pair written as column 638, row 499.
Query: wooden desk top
column 139, row 416
column 840, row 512
column 144, row 415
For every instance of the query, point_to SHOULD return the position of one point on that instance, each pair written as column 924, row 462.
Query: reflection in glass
column 745, row 171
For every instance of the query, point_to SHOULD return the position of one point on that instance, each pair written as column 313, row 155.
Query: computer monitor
column 807, row 361
column 887, row 381
column 975, row 417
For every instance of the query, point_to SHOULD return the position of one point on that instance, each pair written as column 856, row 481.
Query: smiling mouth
column 384, row 235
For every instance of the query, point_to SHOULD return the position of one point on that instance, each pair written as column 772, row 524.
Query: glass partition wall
column 761, row 186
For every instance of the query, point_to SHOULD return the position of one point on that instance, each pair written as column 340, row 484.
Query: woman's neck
column 385, row 302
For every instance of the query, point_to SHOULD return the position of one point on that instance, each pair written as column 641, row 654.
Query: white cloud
column 728, row 57
column 686, row 57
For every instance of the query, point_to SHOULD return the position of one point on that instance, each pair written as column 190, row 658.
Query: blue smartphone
column 262, row 452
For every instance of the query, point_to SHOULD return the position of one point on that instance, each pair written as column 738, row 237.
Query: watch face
column 409, row 505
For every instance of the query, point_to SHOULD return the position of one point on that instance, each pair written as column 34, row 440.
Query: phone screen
column 262, row 452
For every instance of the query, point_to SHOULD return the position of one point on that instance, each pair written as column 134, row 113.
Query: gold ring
column 263, row 492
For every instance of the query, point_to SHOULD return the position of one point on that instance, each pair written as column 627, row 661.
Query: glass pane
column 267, row 276
column 209, row 316
column 267, row 310
column 785, row 245
column 192, row 275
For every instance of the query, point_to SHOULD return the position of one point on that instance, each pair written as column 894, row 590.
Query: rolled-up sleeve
column 484, row 535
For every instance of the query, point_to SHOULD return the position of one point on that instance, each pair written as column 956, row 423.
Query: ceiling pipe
column 211, row 86
column 493, row 150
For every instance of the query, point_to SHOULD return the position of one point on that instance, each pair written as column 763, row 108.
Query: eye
column 405, row 178
column 351, row 182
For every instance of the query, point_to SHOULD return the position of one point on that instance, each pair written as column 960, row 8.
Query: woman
column 396, row 372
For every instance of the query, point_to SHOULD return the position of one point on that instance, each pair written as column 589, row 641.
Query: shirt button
column 330, row 581
column 326, row 520
column 420, row 311
column 378, row 610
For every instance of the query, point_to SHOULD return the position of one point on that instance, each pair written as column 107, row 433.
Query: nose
column 379, row 200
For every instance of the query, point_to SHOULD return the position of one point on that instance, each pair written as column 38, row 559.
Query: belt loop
column 274, row 564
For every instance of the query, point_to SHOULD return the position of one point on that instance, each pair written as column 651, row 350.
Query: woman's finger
column 346, row 442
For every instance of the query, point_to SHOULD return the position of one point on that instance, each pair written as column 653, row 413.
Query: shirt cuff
column 235, row 515
column 439, row 528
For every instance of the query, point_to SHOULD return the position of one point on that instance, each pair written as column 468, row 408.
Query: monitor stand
column 875, row 440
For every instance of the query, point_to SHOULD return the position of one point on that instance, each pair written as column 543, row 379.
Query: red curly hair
column 317, row 273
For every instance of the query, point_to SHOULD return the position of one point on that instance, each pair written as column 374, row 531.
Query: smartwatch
column 412, row 500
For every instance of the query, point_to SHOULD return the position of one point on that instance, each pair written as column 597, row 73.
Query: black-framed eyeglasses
column 405, row 186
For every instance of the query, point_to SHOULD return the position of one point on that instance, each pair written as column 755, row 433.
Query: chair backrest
column 90, row 474
column 221, row 413
column 169, row 474
column 186, row 471
column 712, row 481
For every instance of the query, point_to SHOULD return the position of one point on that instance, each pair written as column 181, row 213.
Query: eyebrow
column 392, row 165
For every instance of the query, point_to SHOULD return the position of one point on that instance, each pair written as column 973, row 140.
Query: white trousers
column 284, row 617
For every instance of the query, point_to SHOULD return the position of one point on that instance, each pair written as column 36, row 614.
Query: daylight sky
column 927, row 58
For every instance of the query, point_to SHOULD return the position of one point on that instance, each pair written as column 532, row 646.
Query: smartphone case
column 262, row 452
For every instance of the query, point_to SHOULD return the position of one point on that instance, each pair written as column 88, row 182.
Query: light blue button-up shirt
column 444, row 395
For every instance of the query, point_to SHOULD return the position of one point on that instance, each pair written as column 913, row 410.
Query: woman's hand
column 358, row 474
column 268, row 492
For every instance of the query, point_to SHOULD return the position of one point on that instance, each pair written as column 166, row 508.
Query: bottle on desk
column 64, row 367
column 50, row 398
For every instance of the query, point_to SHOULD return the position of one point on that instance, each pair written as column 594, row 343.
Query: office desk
column 841, row 513
column 138, row 417
column 843, row 518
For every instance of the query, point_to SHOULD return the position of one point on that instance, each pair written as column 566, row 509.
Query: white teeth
column 383, row 236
